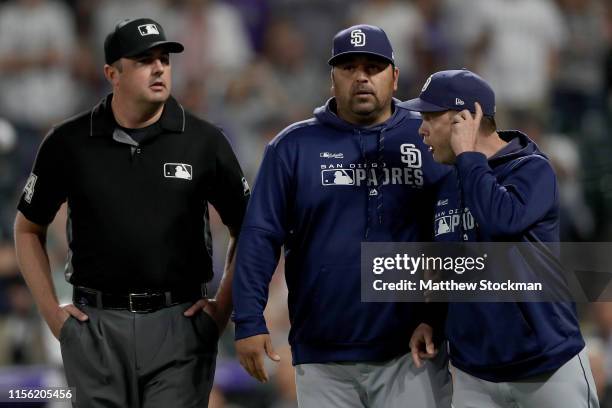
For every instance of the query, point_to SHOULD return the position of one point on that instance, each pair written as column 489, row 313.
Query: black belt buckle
column 143, row 302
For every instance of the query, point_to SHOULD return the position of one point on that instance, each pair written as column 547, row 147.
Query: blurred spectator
column 8, row 260
column 403, row 23
column 607, row 13
column 270, row 84
column 517, row 51
column 579, row 80
column 317, row 20
column 577, row 222
column 285, row 55
column 37, row 39
column 8, row 273
column 464, row 28
column 255, row 16
column 37, row 42
column 275, row 90
column 21, row 331
column 216, row 43
column 434, row 43
column 8, row 177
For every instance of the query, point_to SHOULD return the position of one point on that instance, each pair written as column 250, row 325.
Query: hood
column 527, row 147
column 326, row 114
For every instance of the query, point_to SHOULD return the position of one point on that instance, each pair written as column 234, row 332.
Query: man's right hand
column 251, row 355
column 421, row 344
column 62, row 314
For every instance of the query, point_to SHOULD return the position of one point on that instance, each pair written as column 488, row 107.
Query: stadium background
column 253, row 67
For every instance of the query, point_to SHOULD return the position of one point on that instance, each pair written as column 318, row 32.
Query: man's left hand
column 214, row 310
column 464, row 130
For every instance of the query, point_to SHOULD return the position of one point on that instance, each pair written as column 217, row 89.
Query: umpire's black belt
column 143, row 302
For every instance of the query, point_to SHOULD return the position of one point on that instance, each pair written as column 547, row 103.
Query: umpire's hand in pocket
column 62, row 314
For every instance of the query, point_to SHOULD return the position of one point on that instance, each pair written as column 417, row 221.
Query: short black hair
column 118, row 65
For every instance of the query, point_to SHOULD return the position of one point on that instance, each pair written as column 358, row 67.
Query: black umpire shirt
column 137, row 211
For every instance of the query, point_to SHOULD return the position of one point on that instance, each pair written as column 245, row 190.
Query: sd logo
column 358, row 38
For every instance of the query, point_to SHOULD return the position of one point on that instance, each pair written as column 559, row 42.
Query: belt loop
column 203, row 291
column 168, row 298
column 99, row 299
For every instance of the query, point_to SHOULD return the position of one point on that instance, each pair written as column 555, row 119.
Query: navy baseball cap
column 362, row 39
column 133, row 37
column 456, row 89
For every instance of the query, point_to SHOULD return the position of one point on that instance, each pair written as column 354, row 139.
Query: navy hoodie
column 325, row 186
column 512, row 197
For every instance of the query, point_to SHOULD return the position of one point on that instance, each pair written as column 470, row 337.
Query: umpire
column 137, row 172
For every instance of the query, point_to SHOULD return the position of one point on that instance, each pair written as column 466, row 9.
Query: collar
column 333, row 108
column 102, row 122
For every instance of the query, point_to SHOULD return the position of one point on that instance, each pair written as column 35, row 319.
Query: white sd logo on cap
column 358, row 38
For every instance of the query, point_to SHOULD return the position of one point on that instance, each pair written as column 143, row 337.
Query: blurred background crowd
column 254, row 66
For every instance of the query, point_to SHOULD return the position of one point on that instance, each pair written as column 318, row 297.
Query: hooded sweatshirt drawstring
column 374, row 175
column 379, row 170
column 364, row 157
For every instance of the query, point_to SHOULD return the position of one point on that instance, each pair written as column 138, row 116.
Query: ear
column 395, row 78
column 332, row 89
column 111, row 74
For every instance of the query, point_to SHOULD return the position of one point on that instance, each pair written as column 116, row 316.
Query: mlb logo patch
column 338, row 177
column 245, row 187
column 29, row 188
column 148, row 29
column 178, row 170
column 443, row 225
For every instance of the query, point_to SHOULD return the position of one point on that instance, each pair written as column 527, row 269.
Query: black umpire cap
column 133, row 37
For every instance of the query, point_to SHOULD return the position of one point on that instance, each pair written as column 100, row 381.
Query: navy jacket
column 324, row 186
column 512, row 197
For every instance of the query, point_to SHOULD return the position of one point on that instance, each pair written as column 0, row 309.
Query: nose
column 360, row 74
column 158, row 66
column 422, row 131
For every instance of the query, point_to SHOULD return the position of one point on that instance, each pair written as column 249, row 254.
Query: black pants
column 123, row 359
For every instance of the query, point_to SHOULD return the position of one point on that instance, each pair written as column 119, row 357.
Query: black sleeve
column 45, row 189
column 231, row 191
